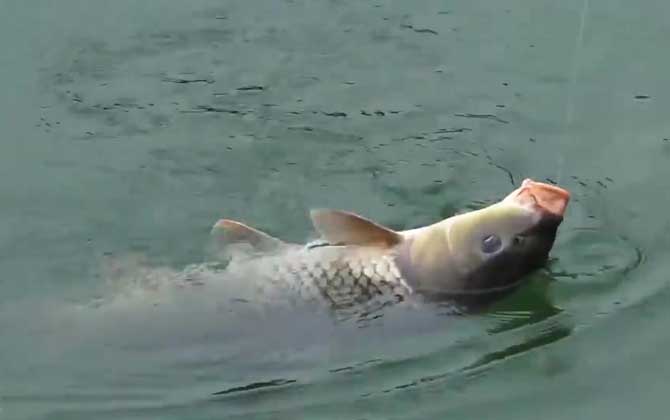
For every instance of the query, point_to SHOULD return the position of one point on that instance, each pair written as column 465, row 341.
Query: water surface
column 129, row 128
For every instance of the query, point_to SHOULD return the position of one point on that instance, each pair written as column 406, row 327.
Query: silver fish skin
column 340, row 276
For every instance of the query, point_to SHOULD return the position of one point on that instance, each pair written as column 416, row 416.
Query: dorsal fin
column 344, row 228
column 236, row 232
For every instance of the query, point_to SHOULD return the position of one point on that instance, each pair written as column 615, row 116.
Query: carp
column 468, row 257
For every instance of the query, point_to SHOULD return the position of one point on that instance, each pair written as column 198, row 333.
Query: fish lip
column 546, row 198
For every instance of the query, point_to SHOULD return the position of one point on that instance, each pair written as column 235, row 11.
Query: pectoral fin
column 343, row 228
column 233, row 232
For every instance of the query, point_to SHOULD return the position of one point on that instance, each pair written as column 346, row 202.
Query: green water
column 129, row 128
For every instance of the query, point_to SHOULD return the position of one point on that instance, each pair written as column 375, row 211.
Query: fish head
column 488, row 249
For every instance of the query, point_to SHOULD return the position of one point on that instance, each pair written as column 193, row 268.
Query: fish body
column 485, row 251
column 341, row 276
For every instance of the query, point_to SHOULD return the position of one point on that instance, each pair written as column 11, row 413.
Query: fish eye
column 491, row 244
column 518, row 240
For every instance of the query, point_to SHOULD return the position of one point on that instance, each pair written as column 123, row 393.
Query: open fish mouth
column 541, row 196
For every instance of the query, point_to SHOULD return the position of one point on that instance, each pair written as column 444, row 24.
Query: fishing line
column 570, row 107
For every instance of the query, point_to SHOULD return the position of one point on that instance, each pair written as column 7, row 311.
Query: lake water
column 128, row 128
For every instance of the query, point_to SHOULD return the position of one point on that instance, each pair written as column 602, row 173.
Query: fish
column 472, row 257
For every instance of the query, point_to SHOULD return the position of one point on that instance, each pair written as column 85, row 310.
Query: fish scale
column 341, row 278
